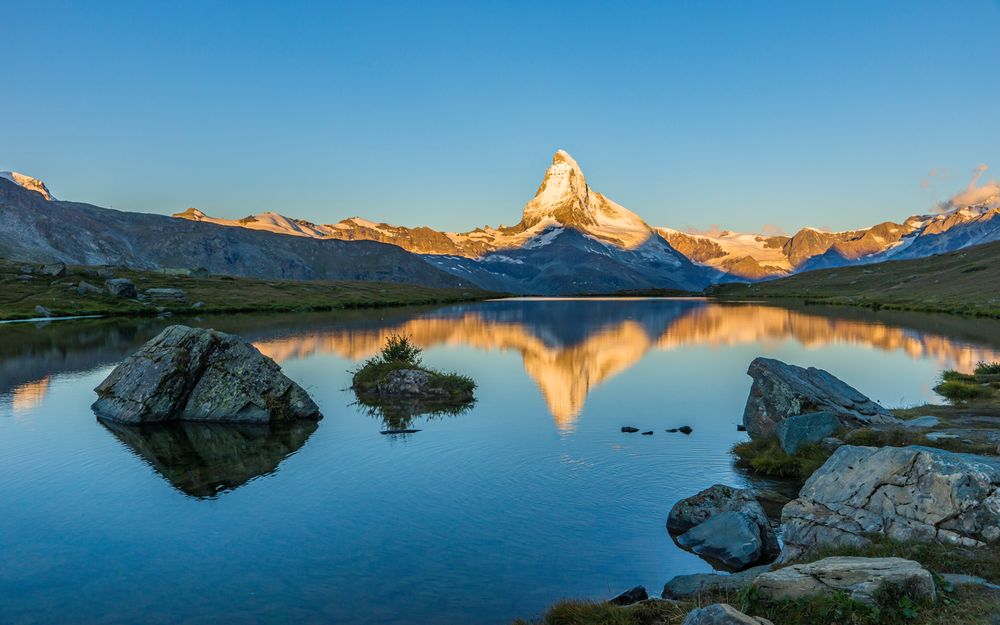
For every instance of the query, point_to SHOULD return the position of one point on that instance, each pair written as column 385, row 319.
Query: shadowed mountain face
column 33, row 228
column 203, row 460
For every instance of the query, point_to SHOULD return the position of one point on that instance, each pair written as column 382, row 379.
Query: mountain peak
column 32, row 184
column 564, row 197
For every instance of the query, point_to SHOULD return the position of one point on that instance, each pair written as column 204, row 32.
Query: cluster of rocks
column 684, row 429
column 196, row 374
column 912, row 493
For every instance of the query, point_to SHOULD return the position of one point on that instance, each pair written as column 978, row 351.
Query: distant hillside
column 966, row 282
column 35, row 228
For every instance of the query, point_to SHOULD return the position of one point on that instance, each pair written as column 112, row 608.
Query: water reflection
column 567, row 347
column 203, row 460
column 607, row 337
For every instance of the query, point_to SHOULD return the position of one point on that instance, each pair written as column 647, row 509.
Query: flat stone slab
column 722, row 614
column 860, row 578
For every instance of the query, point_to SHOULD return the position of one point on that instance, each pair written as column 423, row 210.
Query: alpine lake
column 532, row 495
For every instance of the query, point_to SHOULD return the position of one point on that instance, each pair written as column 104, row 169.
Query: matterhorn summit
column 32, row 184
column 565, row 198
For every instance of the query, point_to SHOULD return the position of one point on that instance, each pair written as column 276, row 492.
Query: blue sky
column 738, row 113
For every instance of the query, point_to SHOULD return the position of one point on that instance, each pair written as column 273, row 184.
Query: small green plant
column 399, row 348
column 766, row 457
column 960, row 390
column 987, row 368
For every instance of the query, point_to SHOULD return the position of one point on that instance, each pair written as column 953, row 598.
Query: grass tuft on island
column 400, row 353
column 22, row 292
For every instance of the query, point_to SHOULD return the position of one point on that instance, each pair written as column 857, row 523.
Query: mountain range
column 570, row 240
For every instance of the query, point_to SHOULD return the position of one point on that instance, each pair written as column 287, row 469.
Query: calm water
column 531, row 496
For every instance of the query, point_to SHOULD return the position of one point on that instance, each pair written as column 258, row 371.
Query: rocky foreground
column 842, row 537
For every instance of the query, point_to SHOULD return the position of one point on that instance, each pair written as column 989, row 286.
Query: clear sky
column 737, row 113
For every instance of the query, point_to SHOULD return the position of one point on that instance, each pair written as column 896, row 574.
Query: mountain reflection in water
column 567, row 346
column 608, row 336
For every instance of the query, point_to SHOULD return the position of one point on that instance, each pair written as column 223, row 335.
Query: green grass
column 217, row 294
column 987, row 368
column 895, row 606
column 961, row 282
column 984, row 384
column 765, row 456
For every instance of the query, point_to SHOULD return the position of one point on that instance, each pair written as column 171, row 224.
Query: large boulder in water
column 194, row 374
column 724, row 524
column 905, row 493
column 781, row 390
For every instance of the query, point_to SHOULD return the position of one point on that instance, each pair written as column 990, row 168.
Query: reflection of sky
column 478, row 518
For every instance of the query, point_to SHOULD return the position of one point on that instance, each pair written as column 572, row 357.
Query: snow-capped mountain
column 570, row 239
column 522, row 258
column 32, row 184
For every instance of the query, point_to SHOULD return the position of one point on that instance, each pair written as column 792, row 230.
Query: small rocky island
column 196, row 374
column 397, row 387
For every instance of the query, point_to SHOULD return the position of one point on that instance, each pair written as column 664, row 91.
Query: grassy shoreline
column 958, row 283
column 21, row 293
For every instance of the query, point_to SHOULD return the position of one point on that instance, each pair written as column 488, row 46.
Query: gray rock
column 24, row 277
column 722, row 614
column 951, row 580
column 27, row 269
column 780, row 391
column 43, row 311
column 927, row 421
column 197, row 305
column 630, row 596
column 628, row 429
column 796, row 431
column 685, row 586
column 121, row 287
column 733, row 545
column 905, row 493
column 106, row 272
column 940, row 436
column 196, row 374
column 166, row 295
column 860, row 578
column 409, row 383
column 731, row 538
column 831, row 443
column 86, row 288
column 55, row 270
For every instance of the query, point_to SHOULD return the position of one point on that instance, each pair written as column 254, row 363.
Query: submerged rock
column 781, row 390
column 860, row 578
column 904, row 493
column 722, row 614
column 805, row 429
column 628, row 429
column 195, row 374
